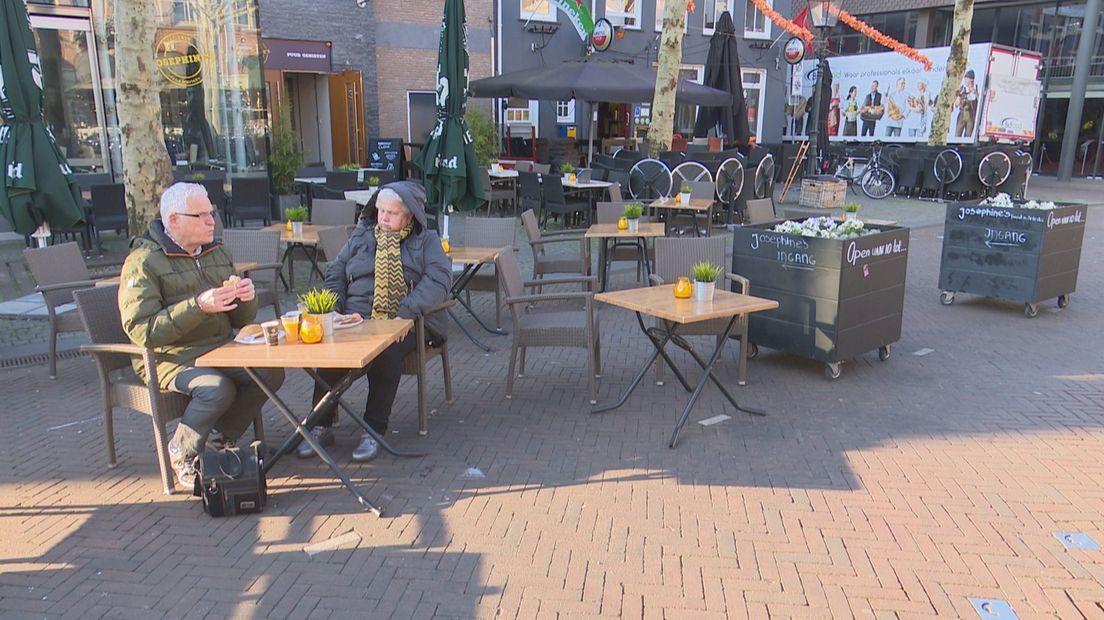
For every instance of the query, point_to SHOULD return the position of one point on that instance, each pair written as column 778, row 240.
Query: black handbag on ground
column 231, row 481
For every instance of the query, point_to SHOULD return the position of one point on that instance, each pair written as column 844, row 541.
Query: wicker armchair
column 553, row 328
column 415, row 364
column 329, row 212
column 261, row 247
column 674, row 256
column 572, row 261
column 488, row 232
column 58, row 270
column 760, row 211
column 111, row 348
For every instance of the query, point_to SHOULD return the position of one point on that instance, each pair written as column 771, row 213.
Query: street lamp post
column 823, row 15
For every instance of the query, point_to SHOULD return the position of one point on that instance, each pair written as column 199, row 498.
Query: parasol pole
column 42, row 234
column 590, row 134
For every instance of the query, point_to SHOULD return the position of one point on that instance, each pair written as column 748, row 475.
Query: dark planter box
column 1023, row 255
column 836, row 298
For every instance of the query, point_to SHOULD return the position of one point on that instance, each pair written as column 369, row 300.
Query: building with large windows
column 532, row 33
column 1051, row 28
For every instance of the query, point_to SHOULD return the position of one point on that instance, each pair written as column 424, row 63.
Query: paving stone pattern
column 903, row 489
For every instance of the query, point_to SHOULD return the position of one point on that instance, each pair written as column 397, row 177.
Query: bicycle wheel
column 878, row 183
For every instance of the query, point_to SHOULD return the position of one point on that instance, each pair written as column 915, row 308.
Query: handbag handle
column 240, row 465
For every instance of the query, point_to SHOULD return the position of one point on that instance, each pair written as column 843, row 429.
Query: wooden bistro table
column 696, row 206
column 660, row 302
column 472, row 259
column 307, row 242
column 607, row 232
column 351, row 349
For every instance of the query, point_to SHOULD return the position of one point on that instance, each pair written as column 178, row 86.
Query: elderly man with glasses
column 178, row 292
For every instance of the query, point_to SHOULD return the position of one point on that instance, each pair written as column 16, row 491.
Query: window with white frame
column 627, row 12
column 685, row 113
column 711, row 13
column 522, row 111
column 539, row 10
column 755, row 83
column 565, row 112
column 756, row 24
column 659, row 17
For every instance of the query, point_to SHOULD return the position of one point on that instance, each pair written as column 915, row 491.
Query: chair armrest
column 589, row 280
column 655, row 280
column 575, row 239
column 559, row 233
column 61, row 286
column 264, row 267
column 127, row 349
column 744, row 283
column 439, row 307
column 531, row 299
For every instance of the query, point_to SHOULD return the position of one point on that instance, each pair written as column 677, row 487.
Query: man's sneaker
column 367, row 449
column 324, row 435
column 183, row 465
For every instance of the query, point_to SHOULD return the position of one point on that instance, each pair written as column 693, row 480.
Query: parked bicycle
column 878, row 180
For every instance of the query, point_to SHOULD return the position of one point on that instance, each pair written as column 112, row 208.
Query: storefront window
column 78, row 3
column 211, row 81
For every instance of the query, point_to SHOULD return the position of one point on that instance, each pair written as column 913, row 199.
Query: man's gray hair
column 175, row 198
column 386, row 193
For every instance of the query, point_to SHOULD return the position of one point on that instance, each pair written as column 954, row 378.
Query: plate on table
column 345, row 321
column 252, row 334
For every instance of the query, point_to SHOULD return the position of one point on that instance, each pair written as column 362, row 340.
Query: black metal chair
column 250, row 199
column 341, row 180
column 109, row 208
column 529, row 188
column 556, row 202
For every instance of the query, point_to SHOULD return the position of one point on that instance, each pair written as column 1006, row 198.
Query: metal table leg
column 303, row 434
column 360, row 420
column 458, row 287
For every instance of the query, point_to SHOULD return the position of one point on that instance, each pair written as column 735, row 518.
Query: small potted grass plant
column 373, row 182
column 705, row 280
column 199, row 176
column 851, row 211
column 632, row 212
column 568, row 171
column 320, row 302
column 684, row 194
column 296, row 216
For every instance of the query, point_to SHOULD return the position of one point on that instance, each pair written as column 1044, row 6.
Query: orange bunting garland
column 881, row 39
column 782, row 22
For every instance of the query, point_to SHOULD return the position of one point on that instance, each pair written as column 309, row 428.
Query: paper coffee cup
column 271, row 332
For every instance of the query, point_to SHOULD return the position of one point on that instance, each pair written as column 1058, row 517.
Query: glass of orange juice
column 291, row 326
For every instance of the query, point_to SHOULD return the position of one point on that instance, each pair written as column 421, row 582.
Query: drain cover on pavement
column 1077, row 540
column 991, row 609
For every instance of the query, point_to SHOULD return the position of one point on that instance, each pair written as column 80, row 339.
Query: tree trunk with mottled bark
column 146, row 167
column 661, row 132
column 956, row 68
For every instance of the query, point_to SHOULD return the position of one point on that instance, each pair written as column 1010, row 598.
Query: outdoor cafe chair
column 112, row 350
column 109, row 210
column 556, row 202
column 329, row 212
column 623, row 250
column 529, row 189
column 488, row 232
column 341, row 180
column 261, row 247
column 560, row 327
column 760, row 211
column 58, row 270
column 540, row 168
column 497, row 192
column 615, row 192
column 555, row 252
column 674, row 257
column 250, row 199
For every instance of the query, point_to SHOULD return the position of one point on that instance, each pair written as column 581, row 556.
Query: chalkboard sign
column 1024, row 255
column 385, row 154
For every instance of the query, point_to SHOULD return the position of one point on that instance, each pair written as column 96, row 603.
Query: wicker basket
column 825, row 192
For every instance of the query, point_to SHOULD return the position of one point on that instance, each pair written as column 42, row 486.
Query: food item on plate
column 251, row 331
column 347, row 319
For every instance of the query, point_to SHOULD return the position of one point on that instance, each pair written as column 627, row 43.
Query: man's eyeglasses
column 205, row 214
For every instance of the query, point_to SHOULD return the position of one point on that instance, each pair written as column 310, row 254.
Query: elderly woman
column 391, row 267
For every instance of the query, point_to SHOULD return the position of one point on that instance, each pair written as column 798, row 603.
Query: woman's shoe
column 367, row 449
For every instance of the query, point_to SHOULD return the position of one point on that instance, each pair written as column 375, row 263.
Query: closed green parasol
column 448, row 158
column 38, row 185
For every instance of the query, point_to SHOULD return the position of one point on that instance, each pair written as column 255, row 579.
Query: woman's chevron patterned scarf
column 390, row 287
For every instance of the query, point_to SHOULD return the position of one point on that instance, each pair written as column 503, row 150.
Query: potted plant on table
column 684, row 194
column 198, row 176
column 568, row 171
column 319, row 304
column 851, row 211
column 373, row 182
column 632, row 212
column 295, row 217
column 705, row 280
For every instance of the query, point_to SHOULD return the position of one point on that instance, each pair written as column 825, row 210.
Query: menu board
column 385, row 154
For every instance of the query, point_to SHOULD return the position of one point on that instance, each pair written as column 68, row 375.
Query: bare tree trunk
column 956, row 67
column 670, row 56
column 146, row 167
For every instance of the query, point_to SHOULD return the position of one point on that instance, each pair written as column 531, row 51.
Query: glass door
column 73, row 106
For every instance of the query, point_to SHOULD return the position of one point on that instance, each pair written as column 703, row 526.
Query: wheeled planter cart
column 838, row 298
column 1017, row 254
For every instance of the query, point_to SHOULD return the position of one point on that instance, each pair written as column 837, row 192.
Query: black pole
column 813, row 128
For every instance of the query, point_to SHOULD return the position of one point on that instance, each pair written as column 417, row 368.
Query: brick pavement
column 901, row 490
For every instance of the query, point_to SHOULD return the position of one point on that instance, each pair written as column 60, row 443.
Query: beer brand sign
column 179, row 59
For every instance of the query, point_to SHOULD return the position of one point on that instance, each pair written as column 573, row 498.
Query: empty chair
column 760, row 211
column 615, row 192
column 109, row 210
column 58, row 270
column 487, row 232
column 312, row 170
column 261, row 247
column 317, row 191
column 341, row 180
column 541, row 168
column 112, row 350
column 558, row 327
column 529, row 188
column 622, row 250
column 675, row 257
column 86, row 181
column 556, row 201
column 327, row 212
column 250, row 199
column 560, row 252
column 496, row 192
